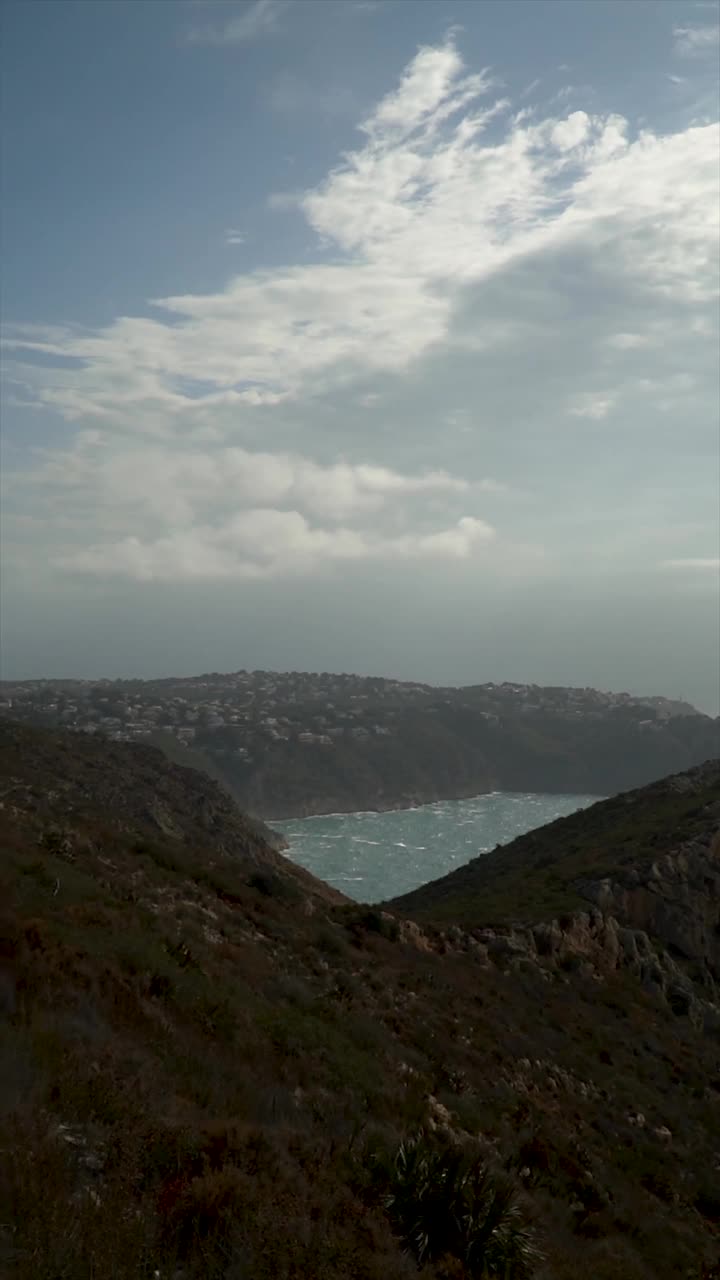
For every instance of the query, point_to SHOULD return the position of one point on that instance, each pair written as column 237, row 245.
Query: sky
column 367, row 335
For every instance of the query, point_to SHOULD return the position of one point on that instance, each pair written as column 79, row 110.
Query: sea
column 375, row 856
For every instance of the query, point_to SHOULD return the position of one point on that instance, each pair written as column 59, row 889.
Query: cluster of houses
column 240, row 709
column 238, row 713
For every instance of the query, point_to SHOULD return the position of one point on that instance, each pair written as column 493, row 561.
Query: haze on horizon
column 362, row 336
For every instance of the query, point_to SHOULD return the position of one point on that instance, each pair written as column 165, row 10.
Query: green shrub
column 369, row 920
column 444, row 1203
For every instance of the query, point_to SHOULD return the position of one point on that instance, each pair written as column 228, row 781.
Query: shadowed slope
column 213, row 1068
column 76, row 780
column 547, row 871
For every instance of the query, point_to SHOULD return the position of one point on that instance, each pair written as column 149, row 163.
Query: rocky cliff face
column 676, row 900
column 589, row 944
column 656, row 914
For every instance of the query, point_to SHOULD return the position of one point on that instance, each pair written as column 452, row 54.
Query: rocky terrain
column 214, row 1066
column 647, row 861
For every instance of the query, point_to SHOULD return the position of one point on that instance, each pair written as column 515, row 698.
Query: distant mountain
column 298, row 743
column 213, row 1066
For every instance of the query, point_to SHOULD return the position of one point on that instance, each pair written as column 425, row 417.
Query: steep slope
column 208, row 1062
column 64, row 784
column 179, row 753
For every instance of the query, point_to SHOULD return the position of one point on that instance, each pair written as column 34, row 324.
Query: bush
column 372, row 921
column 445, row 1204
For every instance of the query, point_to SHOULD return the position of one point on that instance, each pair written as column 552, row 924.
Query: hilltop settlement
column 290, row 744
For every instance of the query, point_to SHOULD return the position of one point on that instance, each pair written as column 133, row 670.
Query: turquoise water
column 373, row 856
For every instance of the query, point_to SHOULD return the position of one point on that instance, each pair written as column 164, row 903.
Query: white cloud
column 457, row 542
column 570, row 133
column 234, row 235
column 264, row 543
column 696, row 41
column 234, row 513
column 448, row 200
column 182, row 485
column 432, row 89
column 257, row 19
column 423, row 210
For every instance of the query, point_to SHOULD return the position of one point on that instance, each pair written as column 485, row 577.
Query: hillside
column 210, row 1061
column 632, row 880
column 624, row 841
column 291, row 744
column 181, row 753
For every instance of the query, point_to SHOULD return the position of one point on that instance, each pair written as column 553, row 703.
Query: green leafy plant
column 445, row 1204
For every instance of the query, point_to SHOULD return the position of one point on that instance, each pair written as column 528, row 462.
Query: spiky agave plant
column 445, row 1203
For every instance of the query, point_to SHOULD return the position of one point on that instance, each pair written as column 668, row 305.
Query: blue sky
column 374, row 336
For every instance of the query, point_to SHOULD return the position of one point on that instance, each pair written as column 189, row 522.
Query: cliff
column 447, row 756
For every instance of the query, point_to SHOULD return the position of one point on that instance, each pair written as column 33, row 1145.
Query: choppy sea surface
column 374, row 856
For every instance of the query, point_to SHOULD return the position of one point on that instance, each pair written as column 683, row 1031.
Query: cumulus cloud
column 450, row 198
column 238, row 514
column 264, row 543
column 180, row 483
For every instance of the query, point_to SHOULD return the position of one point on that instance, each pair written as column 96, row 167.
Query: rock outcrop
column 656, row 915
column 675, row 899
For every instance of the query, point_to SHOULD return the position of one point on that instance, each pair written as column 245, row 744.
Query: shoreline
column 399, row 806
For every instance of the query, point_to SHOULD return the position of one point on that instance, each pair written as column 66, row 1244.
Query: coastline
column 407, row 804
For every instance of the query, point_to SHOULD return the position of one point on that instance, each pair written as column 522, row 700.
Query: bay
column 375, row 856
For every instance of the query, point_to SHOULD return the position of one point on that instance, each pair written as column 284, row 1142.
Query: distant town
column 239, row 714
